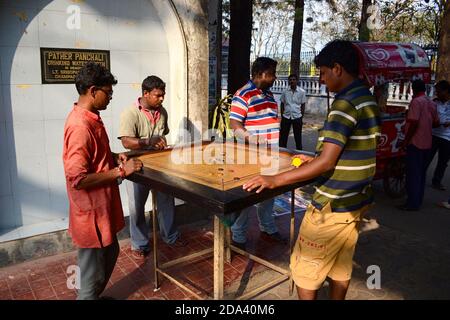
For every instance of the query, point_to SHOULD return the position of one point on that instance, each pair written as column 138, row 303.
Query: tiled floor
column 46, row 278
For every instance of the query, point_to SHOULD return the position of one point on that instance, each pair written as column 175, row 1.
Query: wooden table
column 211, row 175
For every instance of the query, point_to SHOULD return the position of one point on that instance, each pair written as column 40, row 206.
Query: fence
column 310, row 84
column 398, row 95
column 307, row 66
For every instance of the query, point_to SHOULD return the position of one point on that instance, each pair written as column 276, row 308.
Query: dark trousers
column 286, row 127
column 442, row 147
column 96, row 266
column 416, row 162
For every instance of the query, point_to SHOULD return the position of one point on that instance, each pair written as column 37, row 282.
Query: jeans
column 265, row 217
column 285, row 127
column 139, row 229
column 416, row 161
column 442, row 147
column 96, row 266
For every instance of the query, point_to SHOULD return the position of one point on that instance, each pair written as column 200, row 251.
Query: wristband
column 121, row 171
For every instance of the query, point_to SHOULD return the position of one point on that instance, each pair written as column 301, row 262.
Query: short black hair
column 443, row 85
column 293, row 75
column 263, row 64
column 342, row 52
column 418, row 86
column 153, row 82
column 93, row 74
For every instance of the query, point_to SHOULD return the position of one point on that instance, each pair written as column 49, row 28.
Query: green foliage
column 219, row 117
column 341, row 23
column 226, row 19
column 401, row 21
column 412, row 21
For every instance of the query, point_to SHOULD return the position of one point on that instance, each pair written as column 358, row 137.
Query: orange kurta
column 95, row 214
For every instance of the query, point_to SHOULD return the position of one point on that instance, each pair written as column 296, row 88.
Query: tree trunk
column 364, row 32
column 443, row 63
column 296, row 46
column 240, row 42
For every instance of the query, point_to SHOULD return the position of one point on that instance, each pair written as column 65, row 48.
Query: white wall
column 32, row 115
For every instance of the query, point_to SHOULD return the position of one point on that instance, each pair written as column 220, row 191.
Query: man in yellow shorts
column 344, row 167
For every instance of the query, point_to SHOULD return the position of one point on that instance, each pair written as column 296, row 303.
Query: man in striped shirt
column 254, row 111
column 344, row 168
column 254, row 118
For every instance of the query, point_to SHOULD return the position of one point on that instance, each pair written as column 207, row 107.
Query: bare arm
column 242, row 133
column 325, row 162
column 93, row 180
column 311, row 169
column 132, row 143
column 302, row 109
column 239, row 129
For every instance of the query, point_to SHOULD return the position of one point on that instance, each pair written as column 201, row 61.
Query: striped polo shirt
column 354, row 124
column 257, row 110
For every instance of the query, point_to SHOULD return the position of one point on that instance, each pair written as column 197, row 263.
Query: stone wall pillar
column 193, row 15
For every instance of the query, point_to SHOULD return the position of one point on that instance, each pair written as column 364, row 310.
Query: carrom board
column 210, row 175
column 222, row 166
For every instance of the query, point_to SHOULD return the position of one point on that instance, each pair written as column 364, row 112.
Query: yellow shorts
column 325, row 246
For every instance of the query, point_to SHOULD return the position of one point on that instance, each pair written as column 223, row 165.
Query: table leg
column 218, row 258
column 227, row 244
column 291, row 237
column 155, row 240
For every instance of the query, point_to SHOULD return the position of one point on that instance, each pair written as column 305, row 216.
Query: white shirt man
column 441, row 134
column 293, row 102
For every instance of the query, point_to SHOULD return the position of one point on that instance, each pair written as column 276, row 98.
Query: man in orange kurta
column 92, row 175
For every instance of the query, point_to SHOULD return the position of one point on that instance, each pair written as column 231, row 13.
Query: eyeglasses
column 108, row 93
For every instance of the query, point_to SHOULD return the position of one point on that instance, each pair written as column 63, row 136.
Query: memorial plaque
column 62, row 65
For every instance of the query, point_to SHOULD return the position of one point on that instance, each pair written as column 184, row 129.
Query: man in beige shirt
column 144, row 126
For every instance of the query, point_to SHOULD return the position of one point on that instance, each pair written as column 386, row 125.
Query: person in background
column 421, row 118
column 441, row 134
column 292, row 106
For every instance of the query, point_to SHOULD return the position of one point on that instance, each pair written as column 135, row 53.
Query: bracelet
column 121, row 171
